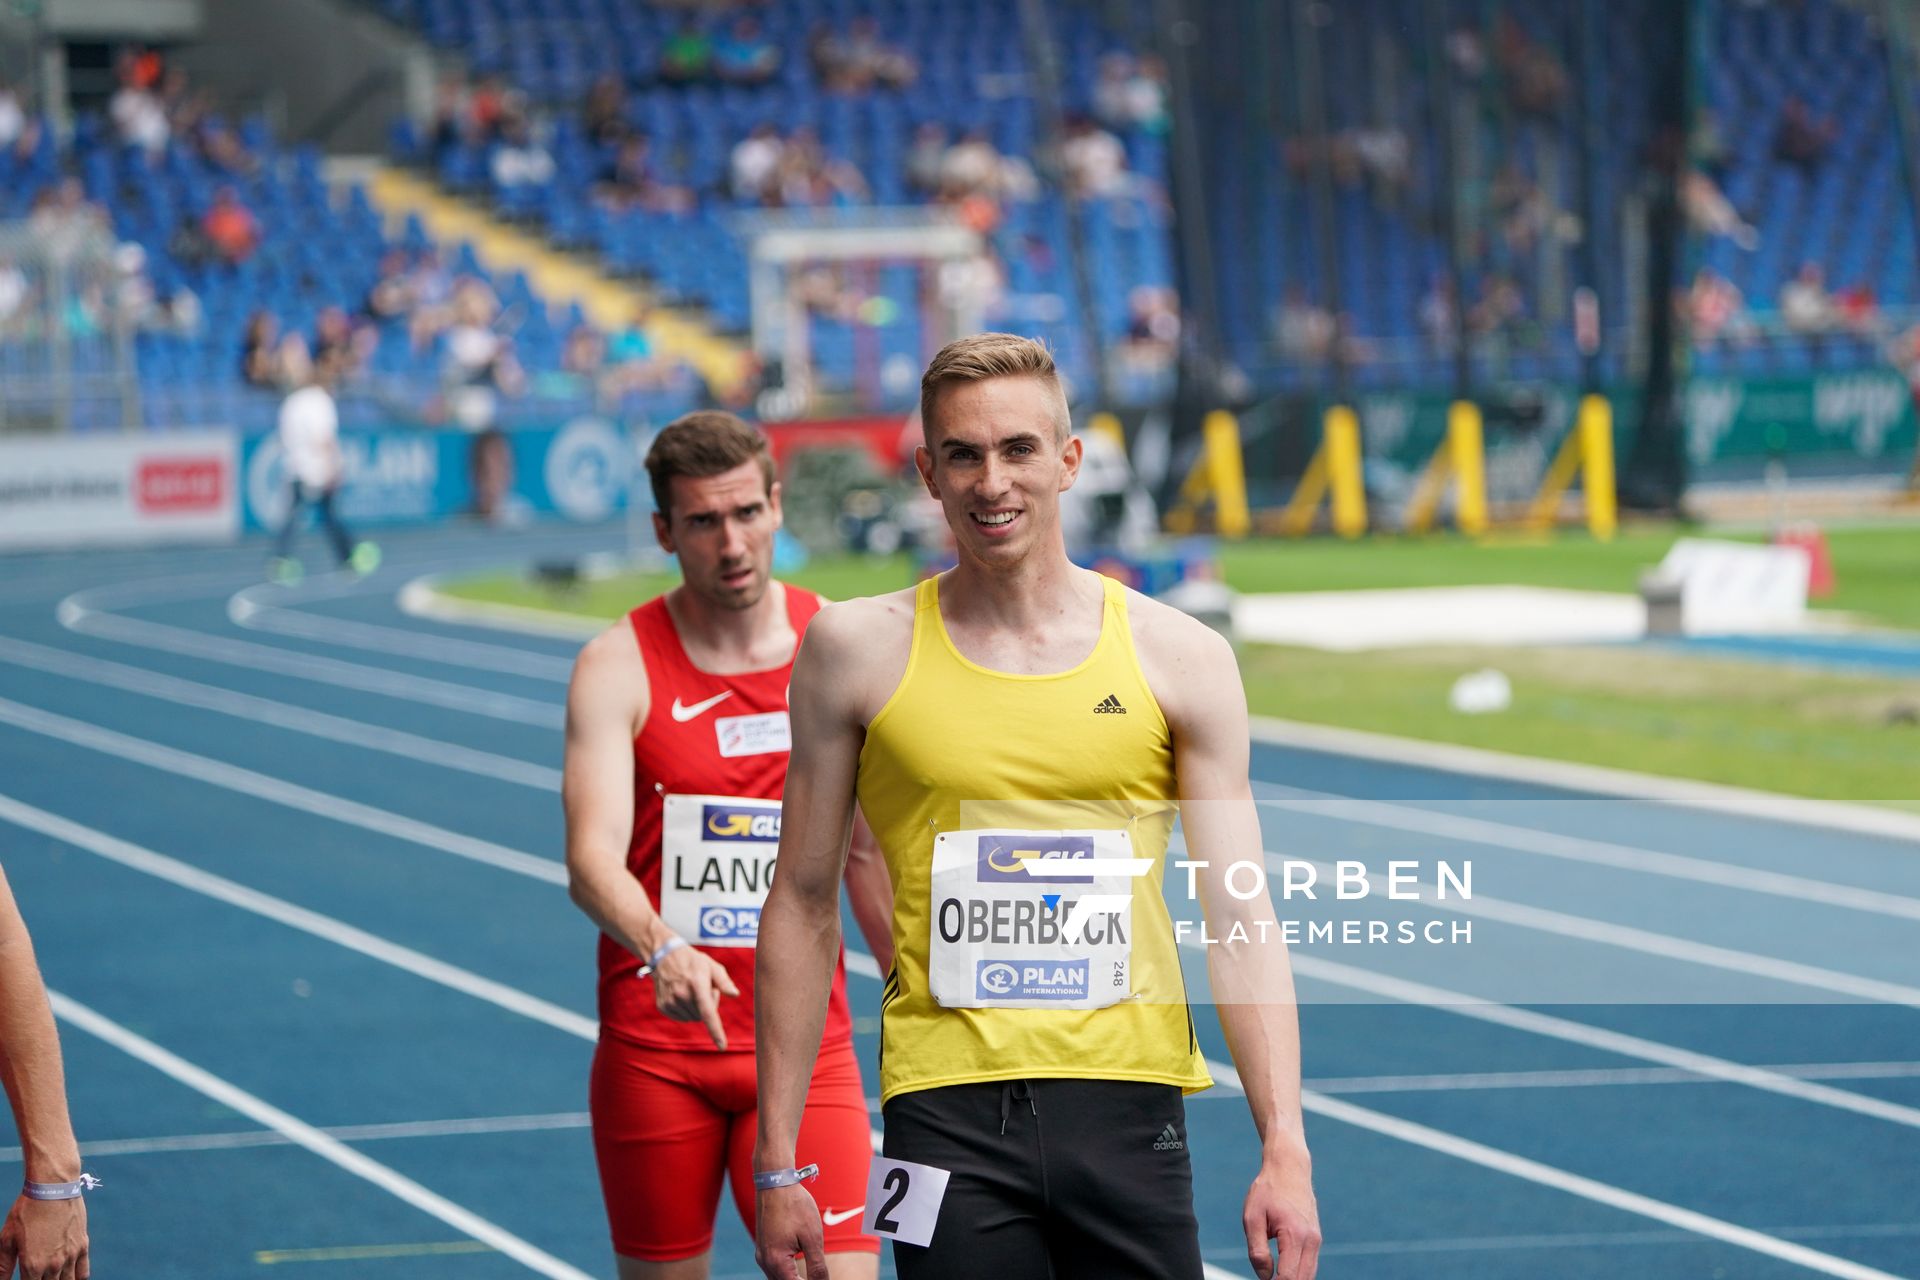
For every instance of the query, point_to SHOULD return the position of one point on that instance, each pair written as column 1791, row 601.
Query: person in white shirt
column 310, row 438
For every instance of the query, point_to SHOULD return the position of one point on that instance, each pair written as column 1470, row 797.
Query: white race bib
column 716, row 861
column 1032, row 919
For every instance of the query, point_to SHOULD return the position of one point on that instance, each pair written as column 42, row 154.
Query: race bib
column 716, row 862
column 1032, row 919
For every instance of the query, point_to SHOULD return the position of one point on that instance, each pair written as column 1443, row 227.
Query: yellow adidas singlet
column 985, row 790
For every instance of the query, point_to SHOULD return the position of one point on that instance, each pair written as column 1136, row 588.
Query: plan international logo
column 1032, row 979
column 738, row 822
column 1006, row 857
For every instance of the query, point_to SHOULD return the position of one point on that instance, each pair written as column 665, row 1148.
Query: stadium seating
column 555, row 51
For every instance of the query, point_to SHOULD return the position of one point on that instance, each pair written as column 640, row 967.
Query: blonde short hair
column 991, row 355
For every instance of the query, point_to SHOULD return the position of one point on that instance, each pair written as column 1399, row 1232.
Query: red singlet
column 707, row 738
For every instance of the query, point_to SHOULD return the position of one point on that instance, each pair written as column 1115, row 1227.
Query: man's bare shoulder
column 1166, row 636
column 860, row 647
column 857, row 628
column 610, row 677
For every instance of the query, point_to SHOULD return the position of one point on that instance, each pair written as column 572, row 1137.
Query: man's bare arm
column 606, row 705
column 46, row 1237
column 800, row 925
column 1205, row 705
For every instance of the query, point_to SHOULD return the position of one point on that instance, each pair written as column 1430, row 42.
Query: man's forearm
column 615, row 901
column 790, row 1012
column 1253, row 985
column 31, row 1071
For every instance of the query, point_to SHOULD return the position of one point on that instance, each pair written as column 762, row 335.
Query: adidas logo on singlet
column 1168, row 1141
column 1109, row 706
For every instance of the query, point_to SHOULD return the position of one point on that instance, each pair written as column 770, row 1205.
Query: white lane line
column 254, row 609
column 1600, row 1077
column 1592, row 1037
column 281, row 715
column 1449, row 826
column 306, row 666
column 305, row 1135
column 1626, row 937
column 1589, row 1189
column 276, row 791
column 1603, row 1239
column 325, row 927
column 420, row 599
column 477, row 1126
column 1595, row 780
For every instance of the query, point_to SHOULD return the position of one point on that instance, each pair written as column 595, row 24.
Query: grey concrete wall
column 133, row 19
column 326, row 71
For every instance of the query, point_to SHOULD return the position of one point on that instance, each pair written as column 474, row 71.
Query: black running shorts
column 1051, row 1180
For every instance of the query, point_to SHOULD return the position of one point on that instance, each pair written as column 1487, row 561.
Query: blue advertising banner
column 579, row 471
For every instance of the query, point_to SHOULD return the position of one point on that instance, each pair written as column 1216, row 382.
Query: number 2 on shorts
column 903, row 1200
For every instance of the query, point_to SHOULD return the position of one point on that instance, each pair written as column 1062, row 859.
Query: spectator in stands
column 1302, row 330
column 1805, row 306
column 487, row 107
column 139, row 118
column 754, row 162
column 630, row 361
column 16, row 293
column 230, row 228
column 809, row 178
column 585, row 354
column 860, row 60
column 1858, row 310
column 1800, row 140
column 1716, row 310
column 217, row 142
column 267, row 359
column 1501, row 310
column 433, row 287
column 1384, row 156
column 687, row 56
column 1153, row 325
column 926, row 159
column 63, row 219
column 603, row 117
column 1440, row 314
column 520, row 159
column 1130, row 94
column 1092, row 161
column 1536, row 81
column 1709, row 210
column 19, row 131
column 451, row 120
column 480, row 363
column 340, row 344
column 744, row 55
column 391, row 296
column 630, row 181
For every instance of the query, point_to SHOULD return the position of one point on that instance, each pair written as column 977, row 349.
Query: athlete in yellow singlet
column 1019, row 732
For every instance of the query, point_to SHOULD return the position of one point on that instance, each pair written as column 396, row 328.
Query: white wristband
column 60, row 1190
column 661, row 952
column 773, row 1178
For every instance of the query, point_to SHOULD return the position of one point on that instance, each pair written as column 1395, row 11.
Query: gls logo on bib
column 737, row 822
column 1006, row 856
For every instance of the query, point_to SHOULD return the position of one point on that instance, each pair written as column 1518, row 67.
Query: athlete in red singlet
column 677, row 743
